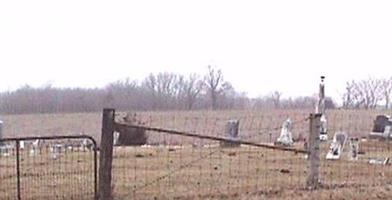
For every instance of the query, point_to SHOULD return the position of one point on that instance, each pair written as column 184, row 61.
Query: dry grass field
column 239, row 173
column 198, row 173
column 70, row 176
column 253, row 124
column 176, row 167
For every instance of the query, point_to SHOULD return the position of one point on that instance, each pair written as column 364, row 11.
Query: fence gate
column 59, row 167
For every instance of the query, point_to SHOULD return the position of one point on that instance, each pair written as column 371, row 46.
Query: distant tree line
column 368, row 93
column 161, row 91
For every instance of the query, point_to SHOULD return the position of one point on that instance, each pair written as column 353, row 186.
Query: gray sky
column 261, row 46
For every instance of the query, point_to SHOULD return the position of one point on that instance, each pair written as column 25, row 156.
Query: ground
column 175, row 167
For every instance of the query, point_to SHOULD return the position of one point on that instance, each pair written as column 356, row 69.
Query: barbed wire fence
column 192, row 163
column 186, row 156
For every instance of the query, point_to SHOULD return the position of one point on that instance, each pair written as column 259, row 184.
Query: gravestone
column 130, row 136
column 379, row 161
column 85, row 145
column 231, row 133
column 320, row 108
column 116, row 135
column 56, row 150
column 387, row 132
column 381, row 122
column 21, row 145
column 323, row 128
column 337, row 146
column 285, row 137
column 382, row 127
column 35, row 148
column 354, row 148
column 5, row 150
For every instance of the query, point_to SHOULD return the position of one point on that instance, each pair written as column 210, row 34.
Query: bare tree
column 192, row 88
column 126, row 93
column 167, row 89
column 214, row 82
column 149, row 85
column 365, row 93
column 347, row 96
column 227, row 96
column 166, row 84
column 387, row 91
column 369, row 92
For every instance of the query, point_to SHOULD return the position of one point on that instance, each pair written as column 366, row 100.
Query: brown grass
column 239, row 173
column 168, row 172
column 196, row 172
column 71, row 176
column 254, row 125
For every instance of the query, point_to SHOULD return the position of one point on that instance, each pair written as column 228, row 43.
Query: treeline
column 368, row 93
column 169, row 91
column 162, row 91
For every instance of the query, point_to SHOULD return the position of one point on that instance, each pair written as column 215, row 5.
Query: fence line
column 184, row 158
column 178, row 164
column 182, row 161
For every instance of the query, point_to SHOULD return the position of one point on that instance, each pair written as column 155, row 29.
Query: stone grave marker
column 337, row 146
column 354, row 148
column 285, row 137
column 231, row 133
column 323, row 128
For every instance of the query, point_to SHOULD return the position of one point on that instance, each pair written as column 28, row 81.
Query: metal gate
column 58, row 167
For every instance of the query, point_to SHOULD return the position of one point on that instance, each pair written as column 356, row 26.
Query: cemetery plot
column 188, row 166
column 211, row 172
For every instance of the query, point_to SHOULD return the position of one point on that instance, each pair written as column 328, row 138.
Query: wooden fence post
column 312, row 181
column 106, row 155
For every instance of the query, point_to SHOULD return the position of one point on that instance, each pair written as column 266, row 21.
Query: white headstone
column 5, row 150
column 35, row 147
column 379, row 161
column 33, row 152
column 285, row 137
column 387, row 132
column 84, row 145
column 116, row 135
column 337, row 146
column 55, row 151
column 21, row 145
column 323, row 128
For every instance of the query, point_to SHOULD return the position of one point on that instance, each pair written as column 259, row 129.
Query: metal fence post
column 106, row 155
column 312, row 181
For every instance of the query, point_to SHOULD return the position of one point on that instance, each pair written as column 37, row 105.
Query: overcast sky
column 261, row 46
